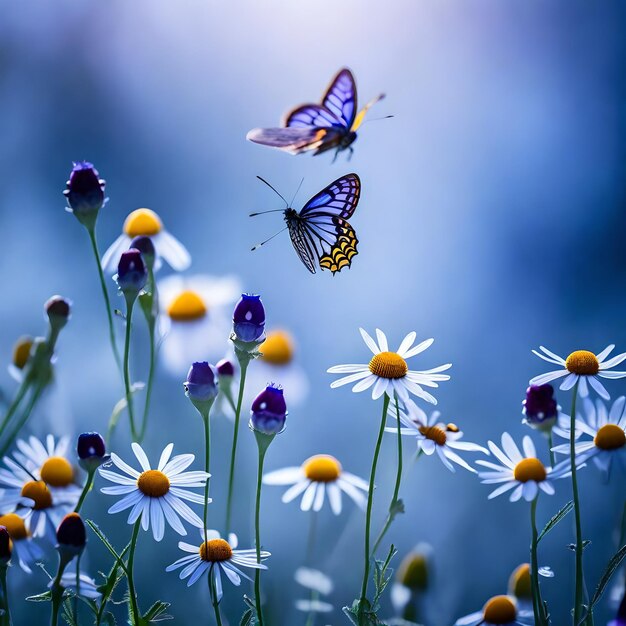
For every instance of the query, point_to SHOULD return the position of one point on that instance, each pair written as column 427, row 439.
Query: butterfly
column 320, row 230
column 320, row 127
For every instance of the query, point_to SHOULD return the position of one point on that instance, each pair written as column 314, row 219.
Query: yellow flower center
column 434, row 433
column 610, row 437
column 21, row 351
column 530, row 469
column 388, row 365
column 38, row 492
column 413, row 572
column 14, row 525
column 153, row 483
column 57, row 471
column 322, row 468
column 187, row 306
column 452, row 428
column 519, row 583
column 499, row 610
column 583, row 363
column 277, row 349
column 142, row 222
column 215, row 550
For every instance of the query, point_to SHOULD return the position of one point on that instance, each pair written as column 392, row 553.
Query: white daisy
column 579, row 367
column 156, row 495
column 524, row 473
column 318, row 476
column 433, row 435
column 85, row 586
column 217, row 556
column 388, row 371
column 21, row 357
column 498, row 611
column 195, row 319
column 147, row 223
column 608, row 432
column 24, row 547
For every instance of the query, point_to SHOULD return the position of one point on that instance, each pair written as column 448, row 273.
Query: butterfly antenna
column 264, row 212
column 280, row 195
column 377, row 119
column 258, row 245
column 297, row 190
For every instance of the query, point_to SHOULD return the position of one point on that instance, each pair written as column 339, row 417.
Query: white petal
column 308, row 497
column 420, row 347
column 542, row 379
column 346, row 380
column 369, row 342
column 165, row 456
column 295, row 491
column 334, row 498
column 173, row 251
column 319, row 497
column 111, row 257
column 380, row 387
column 569, row 382
column 407, row 342
column 602, row 355
column 141, row 456
column 285, row 476
column 382, row 340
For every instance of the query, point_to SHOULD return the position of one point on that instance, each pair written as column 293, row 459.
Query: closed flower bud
column 249, row 318
column 269, row 411
column 71, row 535
column 200, row 386
column 131, row 274
column 21, row 352
column 540, row 407
column 85, row 192
column 225, row 369
column 146, row 247
column 6, row 545
column 58, row 310
column 91, row 451
column 413, row 572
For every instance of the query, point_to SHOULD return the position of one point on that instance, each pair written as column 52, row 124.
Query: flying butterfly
column 320, row 127
column 320, row 231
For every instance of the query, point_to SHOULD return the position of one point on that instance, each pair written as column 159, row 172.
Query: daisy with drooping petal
column 26, row 549
column 498, row 611
column 156, row 495
column 524, row 473
column 608, row 432
column 582, row 367
column 146, row 223
column 319, row 585
column 433, row 435
column 319, row 476
column 388, row 371
column 195, row 319
column 217, row 556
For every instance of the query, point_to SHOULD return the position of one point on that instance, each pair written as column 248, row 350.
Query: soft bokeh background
column 492, row 218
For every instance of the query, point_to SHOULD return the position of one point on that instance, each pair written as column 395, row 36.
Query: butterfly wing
column 297, row 139
column 312, row 115
column 340, row 98
column 339, row 199
column 302, row 243
column 341, row 253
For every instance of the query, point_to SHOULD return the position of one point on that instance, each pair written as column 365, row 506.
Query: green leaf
column 611, row 568
column 68, row 613
column 382, row 574
column 396, row 508
column 120, row 407
column 555, row 520
column 108, row 619
column 157, row 612
column 247, row 619
column 107, row 544
column 46, row 596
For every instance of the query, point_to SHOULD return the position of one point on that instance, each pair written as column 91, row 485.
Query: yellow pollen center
column 153, row 483
column 610, row 437
column 583, row 363
column 434, row 433
column 215, row 550
column 388, row 365
column 322, row 468
column 277, row 349
column 14, row 525
column 530, row 469
column 519, row 583
column 499, row 610
column 57, row 471
column 142, row 222
column 38, row 492
column 21, row 352
column 187, row 306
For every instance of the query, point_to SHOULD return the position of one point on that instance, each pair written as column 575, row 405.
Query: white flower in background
column 195, row 319
column 319, row 476
column 26, row 550
column 581, row 367
column 498, row 611
column 144, row 222
column 388, row 371
column 319, row 585
column 85, row 586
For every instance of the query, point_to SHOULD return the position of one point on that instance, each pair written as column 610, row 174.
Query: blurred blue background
column 492, row 218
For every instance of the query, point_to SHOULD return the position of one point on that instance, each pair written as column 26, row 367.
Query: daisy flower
column 388, row 371
column 86, row 587
column 195, row 318
column 27, row 551
column 498, row 611
column 581, row 366
column 318, row 476
column 524, row 473
column 144, row 222
column 319, row 585
column 608, row 432
column 156, row 495
column 217, row 556
column 433, row 435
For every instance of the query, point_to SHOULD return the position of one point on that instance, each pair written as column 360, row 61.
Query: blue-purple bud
column 269, row 411
column 91, row 450
column 540, row 407
column 225, row 368
column 85, row 191
column 249, row 318
column 58, row 310
column 131, row 274
column 200, row 386
column 71, row 535
column 146, row 247
column 6, row 545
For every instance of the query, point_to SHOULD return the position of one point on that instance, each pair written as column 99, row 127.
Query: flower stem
column 35, row 395
column 5, row 618
column 85, row 491
column 56, row 591
column 368, row 514
column 538, row 607
column 19, row 395
column 132, row 593
column 233, row 454
column 130, row 302
column 213, row 593
column 151, row 321
column 207, row 462
column 552, row 463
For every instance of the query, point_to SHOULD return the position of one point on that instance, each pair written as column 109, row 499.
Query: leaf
column 68, row 613
column 555, row 520
column 157, row 612
column 611, row 568
column 120, row 407
column 107, row 544
column 108, row 619
column 248, row 618
column 46, row 596
column 396, row 508
column 382, row 574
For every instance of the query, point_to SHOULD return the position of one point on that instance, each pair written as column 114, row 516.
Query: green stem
column 207, row 461
column 538, row 607
column 105, row 293
column 368, row 514
column 19, row 395
column 213, row 593
column 132, row 593
column 257, row 530
column 56, row 592
column 75, row 604
column 5, row 619
column 86, row 490
column 36, row 394
column 152, row 367
column 130, row 302
column 310, row 620
column 233, row 453
column 552, row 461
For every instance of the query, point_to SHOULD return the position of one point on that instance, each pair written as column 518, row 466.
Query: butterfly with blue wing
column 333, row 124
column 320, row 231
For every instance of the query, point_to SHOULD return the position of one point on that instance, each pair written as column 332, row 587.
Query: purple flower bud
column 91, row 450
column 146, row 247
column 6, row 546
column 85, row 190
column 58, row 310
column 225, row 369
column 269, row 411
column 249, row 318
column 540, row 407
column 131, row 274
column 71, row 534
column 200, row 384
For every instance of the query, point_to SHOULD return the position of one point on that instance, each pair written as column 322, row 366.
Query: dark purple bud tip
column 269, row 411
column 71, row 532
column 58, row 310
column 540, row 406
column 6, row 545
column 85, row 189
column 225, row 369
column 249, row 318
column 91, row 445
column 146, row 247
column 131, row 274
column 200, row 384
